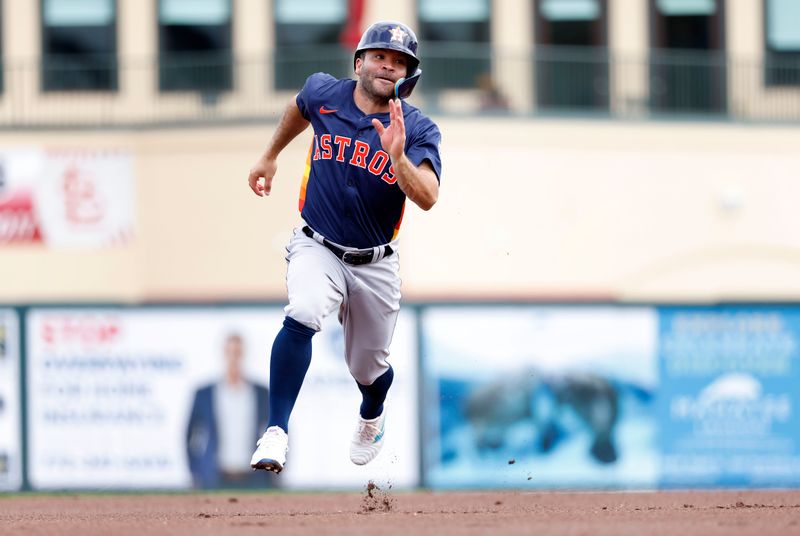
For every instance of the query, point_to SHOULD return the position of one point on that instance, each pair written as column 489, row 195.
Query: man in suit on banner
column 227, row 418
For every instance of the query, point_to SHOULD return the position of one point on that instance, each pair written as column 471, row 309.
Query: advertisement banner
column 325, row 416
column 66, row 199
column 729, row 404
column 10, row 407
column 144, row 398
column 539, row 396
column 20, row 222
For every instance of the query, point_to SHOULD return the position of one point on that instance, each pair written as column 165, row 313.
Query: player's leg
column 374, row 395
column 316, row 286
column 369, row 319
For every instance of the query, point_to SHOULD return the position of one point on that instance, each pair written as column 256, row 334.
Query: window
column 687, row 67
column 571, row 54
column 307, row 40
column 455, row 42
column 79, row 45
column 195, row 45
column 782, row 36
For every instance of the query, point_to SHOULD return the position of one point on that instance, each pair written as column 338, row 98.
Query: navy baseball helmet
column 394, row 35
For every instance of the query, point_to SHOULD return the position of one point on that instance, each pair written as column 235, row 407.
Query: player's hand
column 260, row 178
column 393, row 137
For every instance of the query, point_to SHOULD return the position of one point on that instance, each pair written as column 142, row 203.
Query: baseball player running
column 371, row 151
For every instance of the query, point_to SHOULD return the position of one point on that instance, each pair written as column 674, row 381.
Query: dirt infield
column 372, row 512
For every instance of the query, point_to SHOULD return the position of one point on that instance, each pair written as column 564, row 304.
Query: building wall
column 528, row 209
column 512, row 31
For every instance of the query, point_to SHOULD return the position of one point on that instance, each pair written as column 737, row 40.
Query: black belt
column 354, row 257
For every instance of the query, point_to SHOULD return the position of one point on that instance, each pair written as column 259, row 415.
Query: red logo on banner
column 86, row 330
column 18, row 221
column 82, row 203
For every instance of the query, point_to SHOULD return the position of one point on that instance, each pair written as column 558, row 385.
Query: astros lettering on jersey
column 349, row 192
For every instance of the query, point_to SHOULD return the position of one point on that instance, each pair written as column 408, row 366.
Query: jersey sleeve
column 425, row 146
column 306, row 97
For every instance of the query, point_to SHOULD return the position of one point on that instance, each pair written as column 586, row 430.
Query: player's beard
column 375, row 92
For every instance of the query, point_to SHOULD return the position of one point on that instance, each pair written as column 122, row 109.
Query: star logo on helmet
column 398, row 34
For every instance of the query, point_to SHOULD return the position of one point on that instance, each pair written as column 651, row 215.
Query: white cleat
column 368, row 439
column 271, row 450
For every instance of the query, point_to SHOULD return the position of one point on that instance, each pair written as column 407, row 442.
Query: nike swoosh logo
column 324, row 110
column 380, row 435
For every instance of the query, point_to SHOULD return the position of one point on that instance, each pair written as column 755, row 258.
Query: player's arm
column 290, row 126
column 419, row 183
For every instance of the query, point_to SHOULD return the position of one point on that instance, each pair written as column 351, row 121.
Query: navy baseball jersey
column 349, row 193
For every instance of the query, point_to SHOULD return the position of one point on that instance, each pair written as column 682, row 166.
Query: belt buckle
column 356, row 258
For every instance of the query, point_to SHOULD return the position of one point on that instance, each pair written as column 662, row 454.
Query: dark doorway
column 687, row 58
column 79, row 46
column 195, row 47
column 571, row 55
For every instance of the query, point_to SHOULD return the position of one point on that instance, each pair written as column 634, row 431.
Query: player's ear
column 359, row 63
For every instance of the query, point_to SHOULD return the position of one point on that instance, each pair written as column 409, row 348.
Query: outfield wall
column 524, row 396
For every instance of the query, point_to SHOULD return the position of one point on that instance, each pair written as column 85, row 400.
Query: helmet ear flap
column 404, row 86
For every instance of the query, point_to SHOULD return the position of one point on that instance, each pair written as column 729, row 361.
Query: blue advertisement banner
column 729, row 399
column 539, row 397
